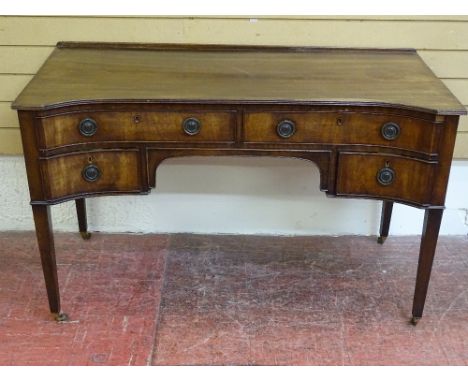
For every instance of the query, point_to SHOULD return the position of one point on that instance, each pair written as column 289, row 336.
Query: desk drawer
column 386, row 176
column 67, row 129
column 342, row 128
column 92, row 172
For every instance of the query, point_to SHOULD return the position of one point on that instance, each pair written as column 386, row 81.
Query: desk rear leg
column 430, row 234
column 82, row 220
column 387, row 208
column 45, row 240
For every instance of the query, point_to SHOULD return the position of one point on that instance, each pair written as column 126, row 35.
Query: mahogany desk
column 98, row 119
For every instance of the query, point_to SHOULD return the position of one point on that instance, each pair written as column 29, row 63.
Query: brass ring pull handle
column 386, row 176
column 191, row 126
column 286, row 128
column 390, row 131
column 88, row 127
column 91, row 173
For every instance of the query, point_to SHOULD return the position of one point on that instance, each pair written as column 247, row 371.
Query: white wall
column 231, row 195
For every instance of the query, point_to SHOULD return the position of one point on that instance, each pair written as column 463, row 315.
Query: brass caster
column 85, row 235
column 381, row 239
column 61, row 317
column 415, row 320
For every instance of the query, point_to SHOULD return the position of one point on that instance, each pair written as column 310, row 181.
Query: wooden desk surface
column 94, row 73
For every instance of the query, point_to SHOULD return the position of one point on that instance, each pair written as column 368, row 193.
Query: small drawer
column 385, row 176
column 342, row 128
column 85, row 127
column 92, row 172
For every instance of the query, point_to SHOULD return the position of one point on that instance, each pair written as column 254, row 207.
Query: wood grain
column 336, row 100
column 28, row 59
column 119, row 173
column 357, row 176
column 63, row 129
column 72, row 76
column 27, row 41
column 342, row 128
column 12, row 84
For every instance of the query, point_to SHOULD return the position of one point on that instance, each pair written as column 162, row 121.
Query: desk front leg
column 45, row 240
column 430, row 234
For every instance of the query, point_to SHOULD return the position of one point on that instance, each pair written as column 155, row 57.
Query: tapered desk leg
column 82, row 220
column 45, row 240
column 430, row 234
column 385, row 218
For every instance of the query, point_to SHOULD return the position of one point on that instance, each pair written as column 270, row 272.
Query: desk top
column 83, row 73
